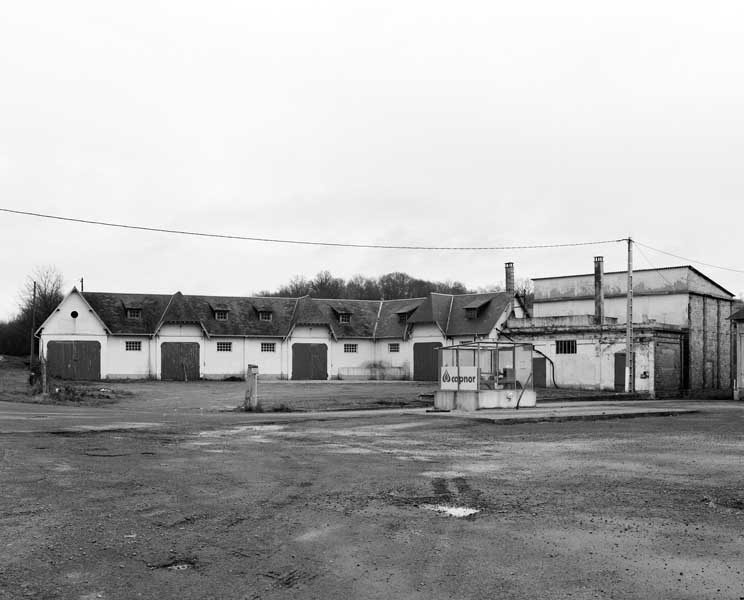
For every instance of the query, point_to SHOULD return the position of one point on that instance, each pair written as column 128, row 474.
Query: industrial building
column 681, row 331
column 577, row 324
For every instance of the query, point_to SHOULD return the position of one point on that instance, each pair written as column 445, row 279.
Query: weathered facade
column 682, row 335
column 737, row 323
column 95, row 335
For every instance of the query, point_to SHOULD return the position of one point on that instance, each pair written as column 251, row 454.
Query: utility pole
column 629, row 354
column 81, row 285
column 33, row 330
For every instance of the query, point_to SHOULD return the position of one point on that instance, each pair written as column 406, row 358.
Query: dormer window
column 264, row 315
column 402, row 317
column 471, row 313
column 344, row 318
column 134, row 313
column 220, row 315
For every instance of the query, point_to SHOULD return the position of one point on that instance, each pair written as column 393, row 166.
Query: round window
column 74, row 314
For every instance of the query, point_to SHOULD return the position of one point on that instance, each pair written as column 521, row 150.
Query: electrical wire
column 650, row 264
column 692, row 260
column 301, row 242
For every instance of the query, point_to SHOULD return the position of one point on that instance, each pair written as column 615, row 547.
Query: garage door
column 74, row 360
column 426, row 361
column 179, row 361
column 310, row 361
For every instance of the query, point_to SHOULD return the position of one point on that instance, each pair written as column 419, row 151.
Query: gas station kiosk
column 485, row 374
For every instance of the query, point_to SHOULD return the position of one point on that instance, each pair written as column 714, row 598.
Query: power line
column 653, row 266
column 301, row 242
column 692, row 260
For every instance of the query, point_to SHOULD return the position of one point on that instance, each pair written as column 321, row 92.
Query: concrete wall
column 667, row 309
column 739, row 369
column 593, row 365
column 679, row 280
column 709, row 353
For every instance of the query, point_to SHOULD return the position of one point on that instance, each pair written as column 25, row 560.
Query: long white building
column 94, row 335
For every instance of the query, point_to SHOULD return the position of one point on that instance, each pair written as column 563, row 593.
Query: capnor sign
column 464, row 378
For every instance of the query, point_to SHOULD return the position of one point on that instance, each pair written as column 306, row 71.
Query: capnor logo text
column 458, row 379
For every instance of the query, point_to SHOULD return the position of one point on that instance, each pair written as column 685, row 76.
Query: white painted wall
column 61, row 326
column 338, row 359
column 425, row 332
column 402, row 359
column 245, row 351
column 128, row 364
column 593, row 365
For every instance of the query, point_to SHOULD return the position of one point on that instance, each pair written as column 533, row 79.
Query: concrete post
column 251, row 393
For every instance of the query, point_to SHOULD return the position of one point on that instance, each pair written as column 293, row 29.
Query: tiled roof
column 489, row 306
column 738, row 315
column 388, row 324
column 243, row 315
column 368, row 318
column 111, row 308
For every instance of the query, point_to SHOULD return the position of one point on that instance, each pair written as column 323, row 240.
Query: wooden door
column 620, row 371
column 74, row 360
column 539, row 372
column 426, row 361
column 310, row 361
column 179, row 361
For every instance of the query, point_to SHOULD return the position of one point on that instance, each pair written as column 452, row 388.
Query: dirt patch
column 610, row 509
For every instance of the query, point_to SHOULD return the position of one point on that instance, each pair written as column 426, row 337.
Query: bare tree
column 15, row 335
column 48, row 282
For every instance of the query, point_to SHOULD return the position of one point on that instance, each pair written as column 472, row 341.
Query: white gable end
column 73, row 317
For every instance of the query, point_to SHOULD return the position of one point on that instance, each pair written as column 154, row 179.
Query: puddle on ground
column 452, row 511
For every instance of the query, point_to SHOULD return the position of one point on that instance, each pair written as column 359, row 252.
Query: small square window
column 133, row 346
column 224, row 346
column 565, row 347
column 471, row 313
column 220, row 315
column 394, row 347
column 134, row 313
column 402, row 317
column 268, row 347
column 350, row 347
column 264, row 315
column 344, row 318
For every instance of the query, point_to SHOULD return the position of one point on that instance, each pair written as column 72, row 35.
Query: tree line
column 386, row 287
column 15, row 333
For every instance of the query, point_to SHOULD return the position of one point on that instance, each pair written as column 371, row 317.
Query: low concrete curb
column 517, row 419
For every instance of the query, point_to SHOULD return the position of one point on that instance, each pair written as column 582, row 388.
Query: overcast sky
column 428, row 123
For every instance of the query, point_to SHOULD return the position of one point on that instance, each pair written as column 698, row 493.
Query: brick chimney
column 599, row 311
column 509, row 269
